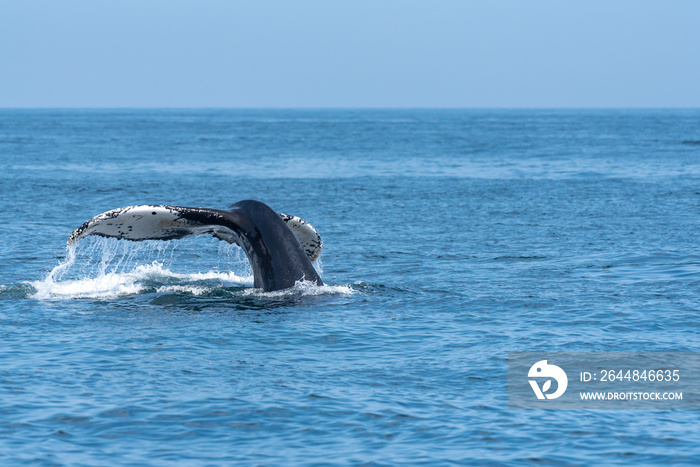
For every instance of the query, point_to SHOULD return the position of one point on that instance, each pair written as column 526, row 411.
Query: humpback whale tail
column 280, row 247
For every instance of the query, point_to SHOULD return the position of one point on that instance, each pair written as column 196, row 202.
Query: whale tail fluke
column 280, row 247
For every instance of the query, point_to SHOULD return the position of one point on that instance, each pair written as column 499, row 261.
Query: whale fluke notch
column 280, row 247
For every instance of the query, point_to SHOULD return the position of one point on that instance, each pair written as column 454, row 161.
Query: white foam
column 112, row 285
column 191, row 289
column 102, row 287
column 303, row 288
column 108, row 268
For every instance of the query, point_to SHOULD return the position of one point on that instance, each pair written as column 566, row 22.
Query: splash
column 60, row 270
column 102, row 268
column 142, row 279
column 318, row 265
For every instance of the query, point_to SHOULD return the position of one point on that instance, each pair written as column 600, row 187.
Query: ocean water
column 451, row 237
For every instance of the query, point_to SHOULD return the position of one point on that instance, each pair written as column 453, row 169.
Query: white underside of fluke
column 144, row 222
column 161, row 222
column 305, row 234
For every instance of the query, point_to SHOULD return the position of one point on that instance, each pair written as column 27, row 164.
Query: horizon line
column 343, row 108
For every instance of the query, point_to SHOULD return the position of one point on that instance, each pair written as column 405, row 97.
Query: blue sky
column 360, row 53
